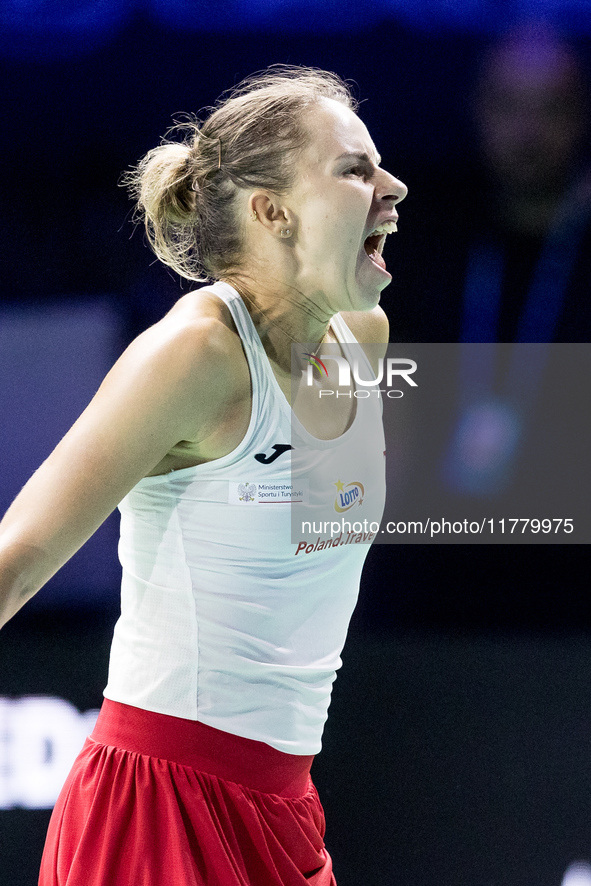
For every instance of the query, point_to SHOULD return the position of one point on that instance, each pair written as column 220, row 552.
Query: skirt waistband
column 253, row 764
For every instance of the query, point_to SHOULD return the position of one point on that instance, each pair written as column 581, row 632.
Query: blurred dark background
column 457, row 750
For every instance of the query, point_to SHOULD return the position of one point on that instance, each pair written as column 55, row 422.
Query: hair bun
column 166, row 187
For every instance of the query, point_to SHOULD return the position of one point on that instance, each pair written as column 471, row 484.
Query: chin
column 365, row 299
column 371, row 277
column 369, row 292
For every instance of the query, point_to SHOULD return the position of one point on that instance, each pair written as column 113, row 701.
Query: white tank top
column 224, row 619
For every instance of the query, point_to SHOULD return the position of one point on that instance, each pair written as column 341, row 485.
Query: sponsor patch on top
column 249, row 493
column 348, row 495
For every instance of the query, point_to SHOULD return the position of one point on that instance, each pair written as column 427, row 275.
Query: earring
column 285, row 233
column 254, row 215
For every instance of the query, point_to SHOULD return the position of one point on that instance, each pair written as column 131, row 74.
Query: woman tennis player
column 204, row 435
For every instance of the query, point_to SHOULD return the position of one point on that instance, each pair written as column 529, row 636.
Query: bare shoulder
column 197, row 329
column 194, row 350
column 369, row 327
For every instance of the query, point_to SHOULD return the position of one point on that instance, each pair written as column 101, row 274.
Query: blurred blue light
column 45, row 28
column 285, row 16
column 38, row 29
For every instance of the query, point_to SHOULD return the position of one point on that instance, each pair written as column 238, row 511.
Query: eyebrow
column 362, row 156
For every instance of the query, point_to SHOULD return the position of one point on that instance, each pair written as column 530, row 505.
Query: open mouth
column 374, row 243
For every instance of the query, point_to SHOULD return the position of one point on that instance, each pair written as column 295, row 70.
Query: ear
column 269, row 211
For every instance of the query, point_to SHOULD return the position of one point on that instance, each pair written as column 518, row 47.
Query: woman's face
column 340, row 197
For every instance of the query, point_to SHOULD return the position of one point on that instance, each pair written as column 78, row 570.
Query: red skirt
column 154, row 800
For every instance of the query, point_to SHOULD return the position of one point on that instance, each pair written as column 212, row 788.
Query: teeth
column 385, row 228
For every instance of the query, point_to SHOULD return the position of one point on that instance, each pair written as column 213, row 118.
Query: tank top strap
column 342, row 331
column 347, row 339
column 263, row 380
column 242, row 319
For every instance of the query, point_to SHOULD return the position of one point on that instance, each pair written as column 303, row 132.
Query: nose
column 388, row 187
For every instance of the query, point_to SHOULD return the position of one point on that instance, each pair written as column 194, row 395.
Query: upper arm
column 168, row 386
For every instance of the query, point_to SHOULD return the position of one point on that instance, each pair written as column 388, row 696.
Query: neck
column 282, row 317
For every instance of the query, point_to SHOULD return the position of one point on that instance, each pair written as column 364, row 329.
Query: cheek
column 343, row 245
column 332, row 225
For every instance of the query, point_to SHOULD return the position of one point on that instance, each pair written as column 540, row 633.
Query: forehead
column 335, row 130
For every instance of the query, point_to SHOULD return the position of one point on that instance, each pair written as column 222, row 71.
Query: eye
column 360, row 170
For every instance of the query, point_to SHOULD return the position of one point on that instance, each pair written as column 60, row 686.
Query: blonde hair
column 186, row 188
